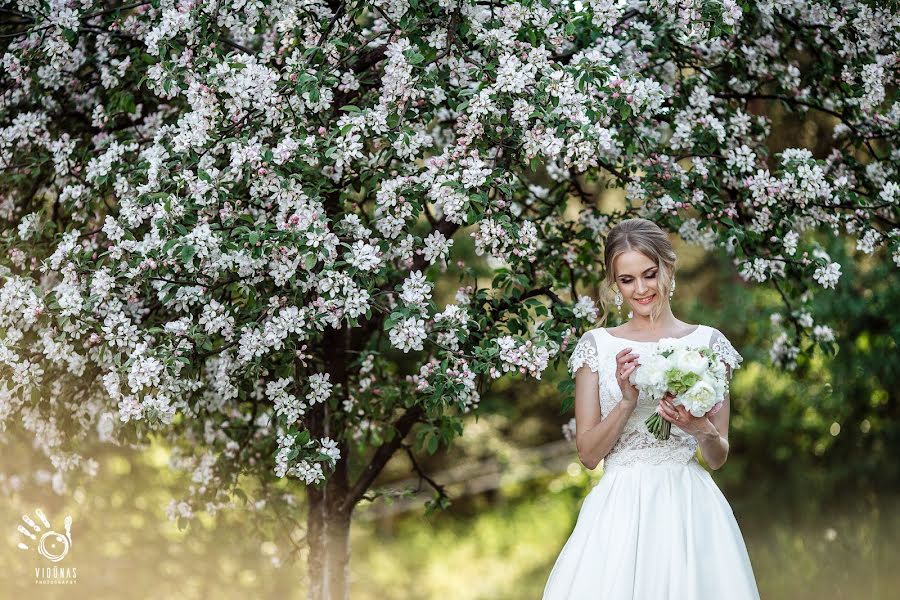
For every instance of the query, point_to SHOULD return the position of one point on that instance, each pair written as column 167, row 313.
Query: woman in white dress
column 656, row 526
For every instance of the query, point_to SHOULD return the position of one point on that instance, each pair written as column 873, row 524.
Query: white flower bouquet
column 694, row 376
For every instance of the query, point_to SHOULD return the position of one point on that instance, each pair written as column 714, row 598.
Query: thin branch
column 423, row 475
column 334, row 19
column 383, row 454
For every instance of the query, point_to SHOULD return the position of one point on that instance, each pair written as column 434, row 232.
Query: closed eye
column 650, row 276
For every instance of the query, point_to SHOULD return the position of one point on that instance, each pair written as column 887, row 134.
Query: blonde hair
column 646, row 237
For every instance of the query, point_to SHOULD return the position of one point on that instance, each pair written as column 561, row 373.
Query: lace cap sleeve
column 585, row 353
column 723, row 348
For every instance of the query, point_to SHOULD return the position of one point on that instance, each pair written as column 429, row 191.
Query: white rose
column 700, row 398
column 718, row 369
column 650, row 376
column 691, row 361
column 666, row 344
column 717, row 377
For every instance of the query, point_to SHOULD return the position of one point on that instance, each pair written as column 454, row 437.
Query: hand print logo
column 51, row 544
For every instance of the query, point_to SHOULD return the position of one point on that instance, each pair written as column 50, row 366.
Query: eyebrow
column 645, row 270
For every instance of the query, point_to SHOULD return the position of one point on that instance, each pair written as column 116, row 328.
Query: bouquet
column 695, row 376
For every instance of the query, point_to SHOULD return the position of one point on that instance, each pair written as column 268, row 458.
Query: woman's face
column 636, row 279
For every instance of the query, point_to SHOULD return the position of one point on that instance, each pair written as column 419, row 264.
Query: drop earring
column 672, row 288
column 619, row 300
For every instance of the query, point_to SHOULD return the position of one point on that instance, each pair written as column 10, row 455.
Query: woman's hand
column 679, row 415
column 626, row 363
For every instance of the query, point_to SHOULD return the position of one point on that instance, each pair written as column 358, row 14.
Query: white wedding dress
column 656, row 526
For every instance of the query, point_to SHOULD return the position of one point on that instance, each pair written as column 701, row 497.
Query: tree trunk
column 328, row 519
column 328, row 537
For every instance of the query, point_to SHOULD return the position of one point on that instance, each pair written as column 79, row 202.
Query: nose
column 641, row 287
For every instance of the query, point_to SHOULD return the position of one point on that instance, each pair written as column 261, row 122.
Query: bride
column 656, row 526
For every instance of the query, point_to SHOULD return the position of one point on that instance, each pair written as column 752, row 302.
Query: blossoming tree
column 222, row 220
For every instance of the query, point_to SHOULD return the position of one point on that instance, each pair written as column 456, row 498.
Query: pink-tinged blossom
column 145, row 371
column 286, row 404
column 790, row 242
column 869, row 241
column 408, row 334
column 436, row 247
column 285, row 443
column 526, row 357
column 828, row 276
column 514, row 76
column 604, row 13
column 416, row 290
column 329, row 448
column 320, row 388
column 130, row 409
column 365, row 257
column 585, row 309
column 215, row 320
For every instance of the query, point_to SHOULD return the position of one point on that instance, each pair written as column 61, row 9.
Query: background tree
column 222, row 220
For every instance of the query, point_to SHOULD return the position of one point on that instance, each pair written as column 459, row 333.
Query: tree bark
column 328, row 521
column 328, row 535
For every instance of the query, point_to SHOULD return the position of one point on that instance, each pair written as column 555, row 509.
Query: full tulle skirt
column 654, row 532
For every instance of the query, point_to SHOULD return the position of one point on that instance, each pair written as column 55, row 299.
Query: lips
column 647, row 300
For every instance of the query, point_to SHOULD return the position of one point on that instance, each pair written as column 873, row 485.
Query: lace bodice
column 597, row 349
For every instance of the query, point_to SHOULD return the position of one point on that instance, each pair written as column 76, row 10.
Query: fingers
column 665, row 409
column 671, row 412
column 674, row 413
column 625, row 357
column 627, row 371
column 624, row 354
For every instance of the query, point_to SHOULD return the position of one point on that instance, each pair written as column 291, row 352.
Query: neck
column 665, row 321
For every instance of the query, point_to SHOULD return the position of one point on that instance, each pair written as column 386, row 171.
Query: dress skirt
column 654, row 532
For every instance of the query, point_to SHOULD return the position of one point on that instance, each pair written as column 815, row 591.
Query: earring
column 619, row 300
column 672, row 288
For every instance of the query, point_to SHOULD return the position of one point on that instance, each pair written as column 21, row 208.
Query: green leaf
column 187, row 254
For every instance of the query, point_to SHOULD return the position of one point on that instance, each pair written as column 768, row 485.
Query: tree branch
column 383, row 454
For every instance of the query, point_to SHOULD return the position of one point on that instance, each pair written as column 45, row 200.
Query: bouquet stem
column 658, row 426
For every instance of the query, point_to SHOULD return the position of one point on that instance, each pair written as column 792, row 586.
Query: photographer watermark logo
column 49, row 543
